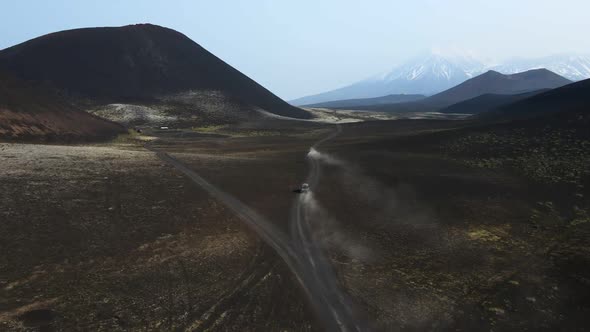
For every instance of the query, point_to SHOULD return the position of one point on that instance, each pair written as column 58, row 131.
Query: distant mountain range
column 427, row 75
column 490, row 82
column 432, row 73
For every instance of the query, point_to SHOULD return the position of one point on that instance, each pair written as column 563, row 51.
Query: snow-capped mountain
column 573, row 67
column 435, row 65
column 435, row 72
column 426, row 74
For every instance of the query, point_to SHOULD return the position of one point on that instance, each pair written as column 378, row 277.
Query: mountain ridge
column 573, row 67
column 426, row 74
column 491, row 82
column 498, row 83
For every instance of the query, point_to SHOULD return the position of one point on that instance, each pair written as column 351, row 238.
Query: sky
column 301, row 47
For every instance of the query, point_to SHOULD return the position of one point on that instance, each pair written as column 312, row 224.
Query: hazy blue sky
column 300, row 47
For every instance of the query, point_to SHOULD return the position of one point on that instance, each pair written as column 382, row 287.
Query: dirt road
column 303, row 257
column 335, row 302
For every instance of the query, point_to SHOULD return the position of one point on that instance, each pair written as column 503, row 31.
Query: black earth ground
column 425, row 224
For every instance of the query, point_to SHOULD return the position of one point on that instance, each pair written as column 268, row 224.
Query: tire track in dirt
column 313, row 254
column 306, row 260
column 257, row 269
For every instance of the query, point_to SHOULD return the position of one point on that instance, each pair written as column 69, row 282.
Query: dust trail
column 328, row 233
column 325, row 158
column 313, row 256
column 325, row 226
column 307, row 261
column 390, row 206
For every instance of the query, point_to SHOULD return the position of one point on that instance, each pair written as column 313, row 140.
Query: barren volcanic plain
column 426, row 224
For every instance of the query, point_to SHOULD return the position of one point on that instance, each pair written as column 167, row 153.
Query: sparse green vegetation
column 235, row 132
column 553, row 158
column 209, row 129
column 124, row 138
column 131, row 137
column 482, row 235
column 548, row 156
column 581, row 216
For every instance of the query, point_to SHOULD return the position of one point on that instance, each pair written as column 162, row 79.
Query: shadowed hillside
column 568, row 102
column 496, row 83
column 487, row 102
column 32, row 112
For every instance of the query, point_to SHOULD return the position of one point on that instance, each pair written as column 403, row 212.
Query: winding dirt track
column 316, row 262
column 302, row 255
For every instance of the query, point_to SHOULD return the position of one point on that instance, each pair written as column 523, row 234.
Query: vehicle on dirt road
column 303, row 189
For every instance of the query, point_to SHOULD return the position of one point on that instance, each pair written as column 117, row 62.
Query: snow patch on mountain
column 573, row 67
column 434, row 66
column 440, row 70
